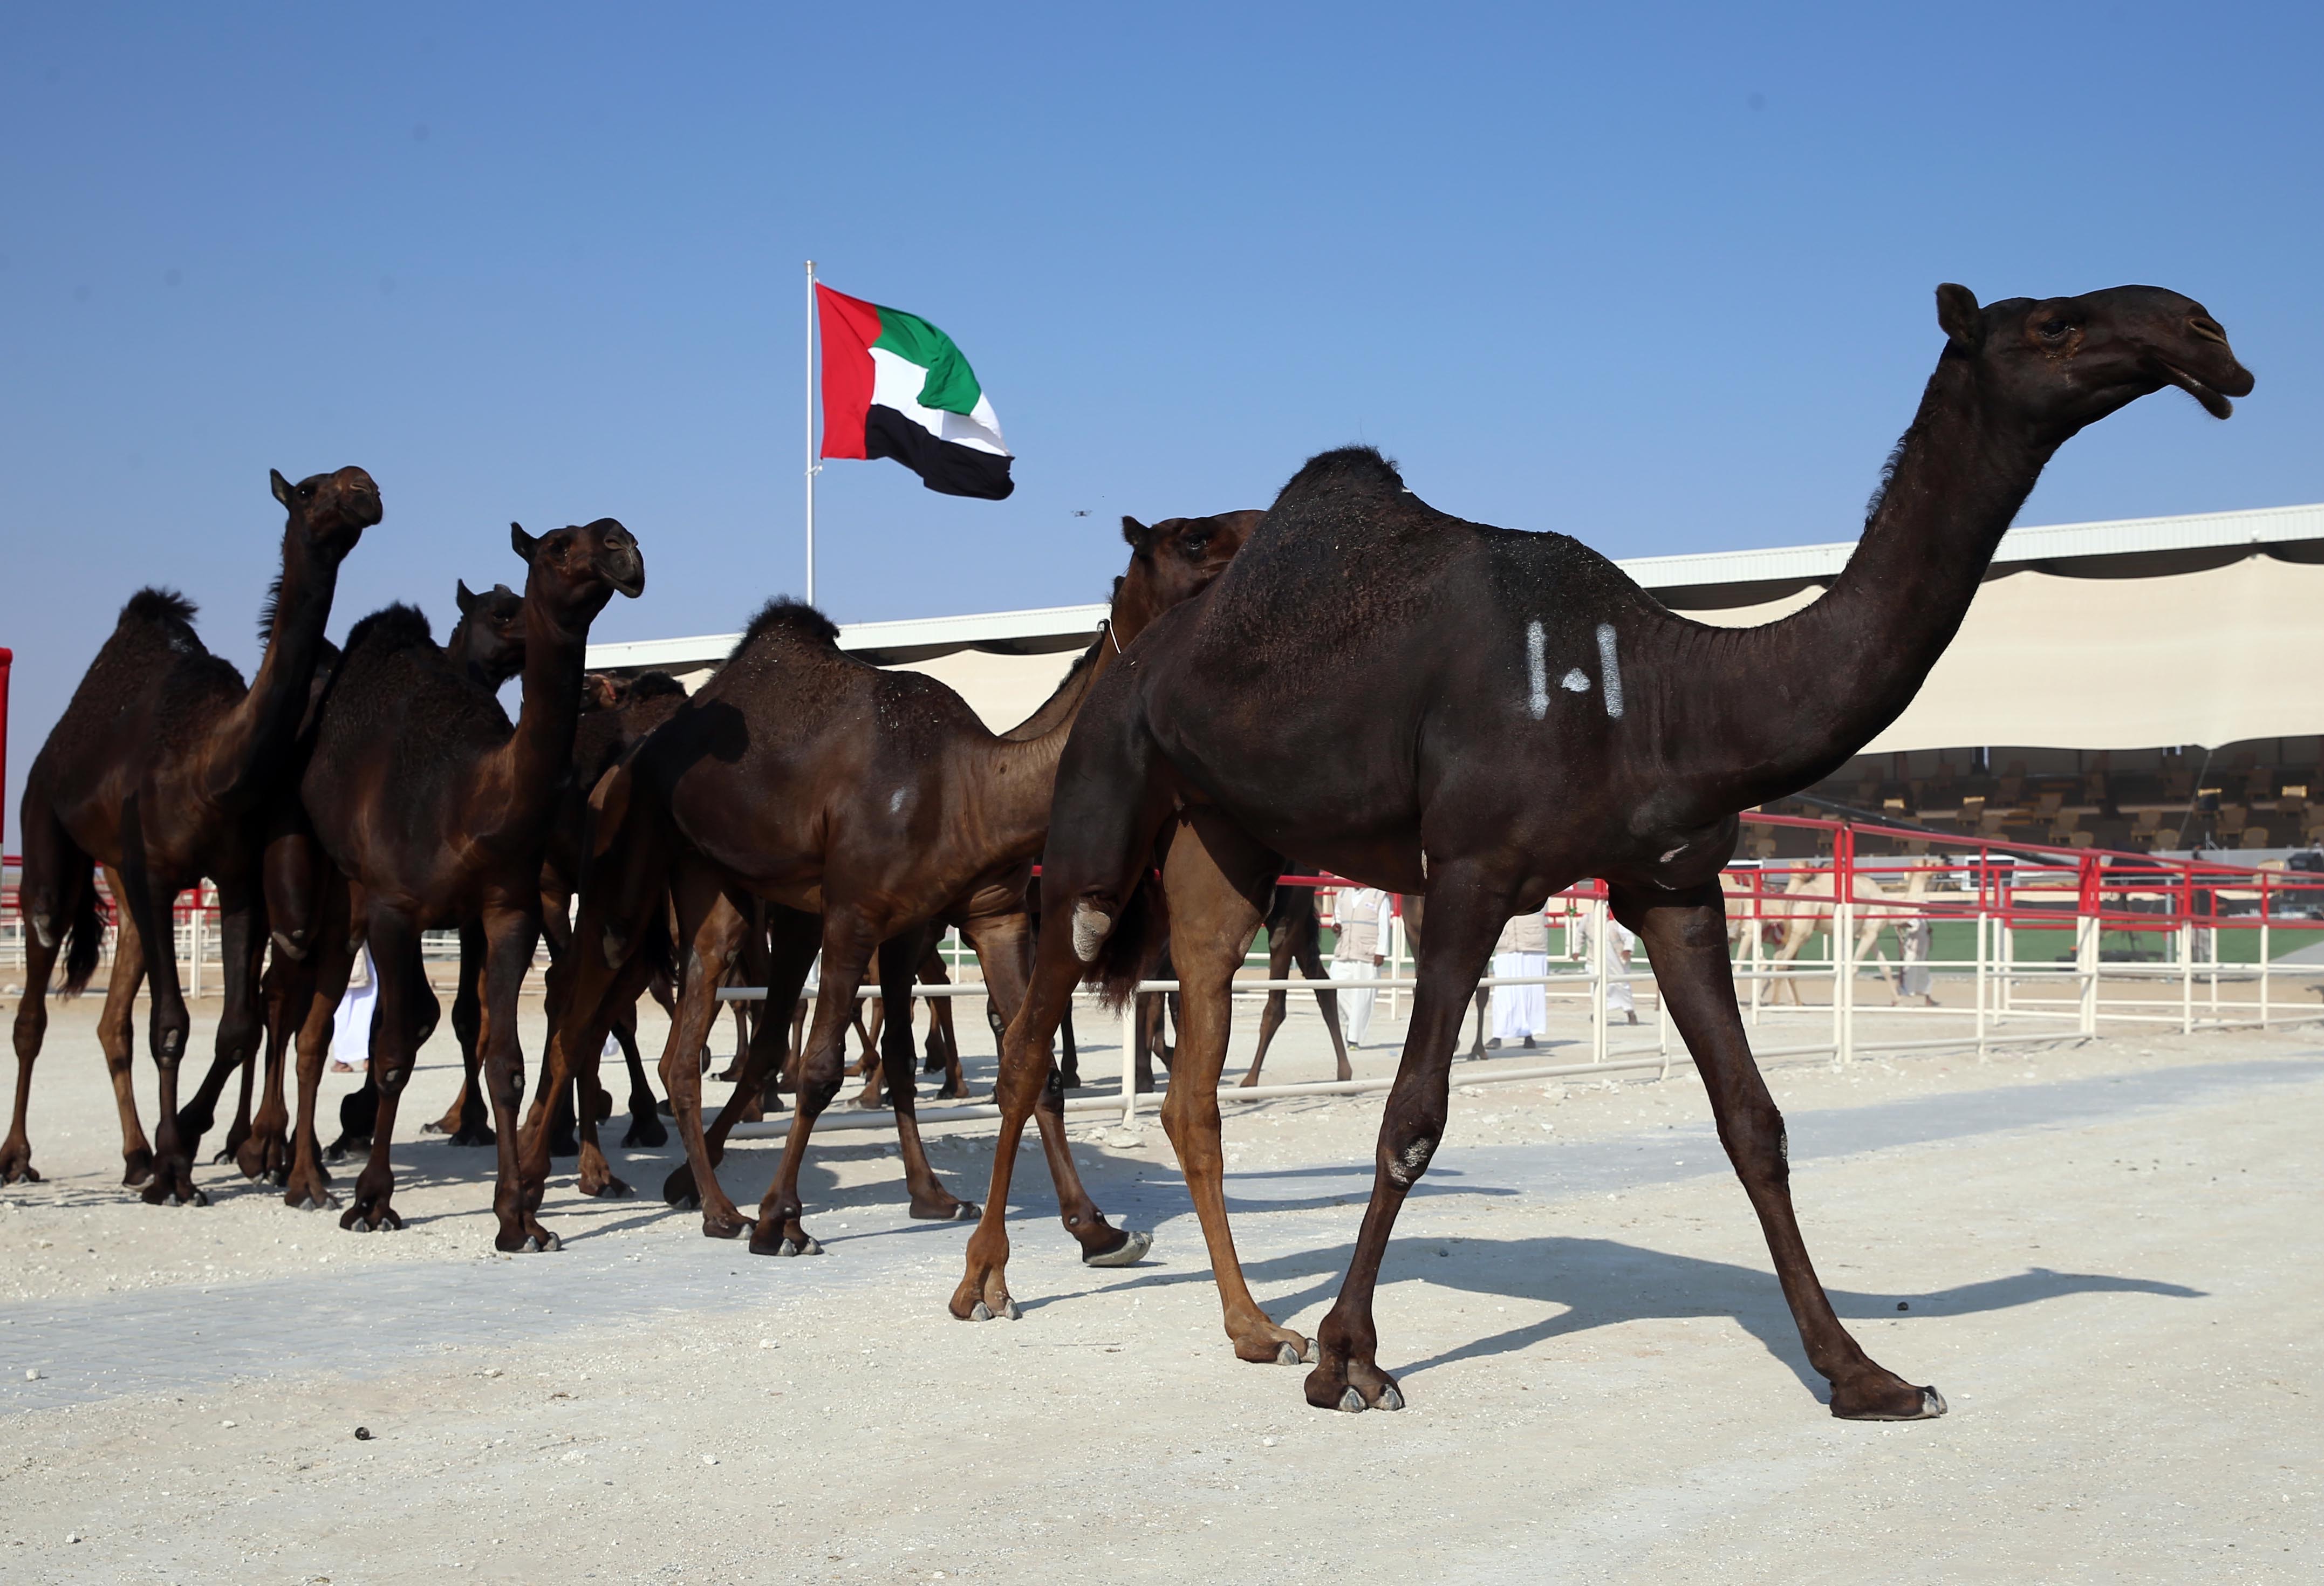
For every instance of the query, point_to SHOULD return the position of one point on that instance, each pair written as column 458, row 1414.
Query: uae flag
column 896, row 386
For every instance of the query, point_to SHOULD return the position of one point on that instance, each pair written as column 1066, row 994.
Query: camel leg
column 1466, row 911
column 1218, row 881
column 58, row 889
column 900, row 959
column 1685, row 937
column 645, row 1131
column 848, row 942
column 1483, row 999
column 397, row 1027
column 1278, row 1002
column 310, row 1001
column 512, row 930
column 467, row 1120
column 794, row 939
column 714, row 928
column 871, row 1024
column 1090, row 875
column 265, row 1151
column 291, row 886
column 943, row 1052
column 116, row 1037
column 242, row 949
column 151, row 901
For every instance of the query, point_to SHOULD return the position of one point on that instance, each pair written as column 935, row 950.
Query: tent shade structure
column 2194, row 630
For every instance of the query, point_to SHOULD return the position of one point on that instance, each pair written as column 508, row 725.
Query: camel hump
column 154, row 604
column 655, row 685
column 791, row 618
column 1351, row 471
column 392, row 628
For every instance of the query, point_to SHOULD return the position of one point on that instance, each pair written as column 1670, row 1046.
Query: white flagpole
column 811, row 469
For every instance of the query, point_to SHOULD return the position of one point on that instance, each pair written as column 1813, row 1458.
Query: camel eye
column 2052, row 330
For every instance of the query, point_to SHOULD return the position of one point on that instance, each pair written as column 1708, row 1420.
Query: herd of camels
column 1509, row 713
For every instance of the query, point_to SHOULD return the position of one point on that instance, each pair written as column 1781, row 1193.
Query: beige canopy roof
column 2131, row 634
column 2211, row 657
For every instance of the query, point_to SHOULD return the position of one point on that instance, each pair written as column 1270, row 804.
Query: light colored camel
column 1806, row 908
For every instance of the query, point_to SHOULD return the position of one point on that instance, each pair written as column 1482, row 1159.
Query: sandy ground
column 2109, row 1252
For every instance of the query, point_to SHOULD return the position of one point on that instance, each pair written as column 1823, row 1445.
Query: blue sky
column 1656, row 276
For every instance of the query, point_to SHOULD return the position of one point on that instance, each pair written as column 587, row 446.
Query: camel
column 487, row 644
column 1508, row 715
column 436, row 810
column 1294, row 935
column 873, row 799
column 616, row 714
column 161, row 769
column 1814, row 889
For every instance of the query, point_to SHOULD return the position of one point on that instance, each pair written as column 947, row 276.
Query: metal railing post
column 1599, row 916
column 2186, row 977
column 1983, row 925
column 1130, row 1062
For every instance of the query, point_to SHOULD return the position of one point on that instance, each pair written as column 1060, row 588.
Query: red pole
column 8, row 657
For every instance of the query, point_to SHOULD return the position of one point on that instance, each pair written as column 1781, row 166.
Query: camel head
column 578, row 569
column 1171, row 560
column 490, row 635
column 2063, row 363
column 603, row 691
column 330, row 512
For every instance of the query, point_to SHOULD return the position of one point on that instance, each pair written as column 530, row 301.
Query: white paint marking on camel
column 1089, row 926
column 1611, row 666
column 1674, row 853
column 896, row 802
column 1412, row 1161
column 1576, row 681
column 1536, row 670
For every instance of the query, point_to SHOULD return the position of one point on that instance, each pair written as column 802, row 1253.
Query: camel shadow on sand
column 1603, row 1283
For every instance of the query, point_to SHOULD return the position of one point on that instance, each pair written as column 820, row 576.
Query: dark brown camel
column 487, row 643
column 437, row 810
column 874, row 799
column 161, row 769
column 1295, row 935
column 1463, row 654
column 616, row 714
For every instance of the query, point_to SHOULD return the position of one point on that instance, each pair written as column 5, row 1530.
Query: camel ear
column 1134, row 533
column 1957, row 313
column 466, row 596
column 282, row 487
column 524, row 544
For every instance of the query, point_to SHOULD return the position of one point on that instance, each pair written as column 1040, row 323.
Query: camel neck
column 254, row 742
column 537, row 757
column 1023, row 761
column 1788, row 702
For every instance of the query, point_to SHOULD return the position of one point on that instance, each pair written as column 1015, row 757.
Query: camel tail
column 86, row 941
column 1121, row 960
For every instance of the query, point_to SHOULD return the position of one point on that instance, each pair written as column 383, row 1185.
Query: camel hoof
column 1932, row 1404
column 539, row 1244
column 1285, row 1355
column 646, row 1133
column 984, row 1312
column 434, row 1126
column 678, row 1190
column 1128, row 1253
column 1314, row 1355
column 1389, row 1400
column 1353, row 1403
column 611, row 1189
column 960, row 1211
column 135, row 1169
